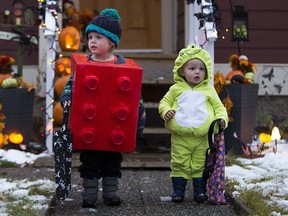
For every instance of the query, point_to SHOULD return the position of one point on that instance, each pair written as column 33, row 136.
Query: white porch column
column 202, row 37
column 192, row 32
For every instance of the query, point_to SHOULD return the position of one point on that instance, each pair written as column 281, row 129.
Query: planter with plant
column 239, row 94
column 16, row 102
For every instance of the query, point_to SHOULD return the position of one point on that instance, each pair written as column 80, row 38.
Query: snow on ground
column 20, row 157
column 267, row 174
column 19, row 190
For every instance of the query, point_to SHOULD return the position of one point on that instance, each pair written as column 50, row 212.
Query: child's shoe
column 90, row 192
column 110, row 186
column 200, row 198
column 199, row 185
column 179, row 186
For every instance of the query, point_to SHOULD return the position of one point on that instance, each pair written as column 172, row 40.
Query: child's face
column 99, row 44
column 194, row 72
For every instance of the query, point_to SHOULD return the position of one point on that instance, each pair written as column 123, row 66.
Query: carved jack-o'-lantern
column 62, row 66
column 16, row 138
column 69, row 39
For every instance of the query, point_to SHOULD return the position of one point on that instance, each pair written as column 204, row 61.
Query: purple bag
column 215, row 166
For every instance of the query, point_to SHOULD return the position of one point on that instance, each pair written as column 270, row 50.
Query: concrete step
column 154, row 91
column 153, row 118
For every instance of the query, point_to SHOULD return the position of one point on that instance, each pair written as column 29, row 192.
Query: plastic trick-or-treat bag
column 63, row 157
column 215, row 166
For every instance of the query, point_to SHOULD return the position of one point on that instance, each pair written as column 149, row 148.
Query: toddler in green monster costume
column 188, row 109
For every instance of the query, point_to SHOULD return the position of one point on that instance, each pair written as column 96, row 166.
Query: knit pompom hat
column 192, row 51
column 107, row 24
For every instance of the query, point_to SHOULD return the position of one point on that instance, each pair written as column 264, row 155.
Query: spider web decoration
column 49, row 11
column 30, row 41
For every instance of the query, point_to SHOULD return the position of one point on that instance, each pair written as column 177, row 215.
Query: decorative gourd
column 249, row 77
column 60, row 84
column 10, row 83
column 58, row 114
column 16, row 138
column 69, row 39
column 62, row 66
column 233, row 73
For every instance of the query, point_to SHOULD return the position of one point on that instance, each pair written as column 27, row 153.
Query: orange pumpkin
column 58, row 114
column 63, row 66
column 60, row 84
column 69, row 39
column 233, row 73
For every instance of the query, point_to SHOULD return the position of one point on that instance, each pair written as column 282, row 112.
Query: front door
column 140, row 21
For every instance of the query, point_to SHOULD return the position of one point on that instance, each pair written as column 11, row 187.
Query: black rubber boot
column 179, row 186
column 199, row 185
column 110, row 187
column 90, row 192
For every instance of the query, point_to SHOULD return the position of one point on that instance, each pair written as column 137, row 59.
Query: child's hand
column 221, row 124
column 169, row 115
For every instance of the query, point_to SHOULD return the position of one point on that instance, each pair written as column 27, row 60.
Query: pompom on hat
column 107, row 24
column 192, row 51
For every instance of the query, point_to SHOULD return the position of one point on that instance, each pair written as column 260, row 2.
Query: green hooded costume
column 196, row 108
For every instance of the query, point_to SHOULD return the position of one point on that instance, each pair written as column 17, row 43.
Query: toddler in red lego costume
column 103, row 34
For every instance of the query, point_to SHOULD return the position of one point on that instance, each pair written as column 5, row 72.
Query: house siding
column 268, row 31
column 9, row 47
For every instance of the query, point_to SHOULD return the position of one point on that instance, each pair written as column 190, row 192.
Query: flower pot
column 17, row 106
column 244, row 98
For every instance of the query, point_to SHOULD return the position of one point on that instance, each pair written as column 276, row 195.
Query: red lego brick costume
column 105, row 104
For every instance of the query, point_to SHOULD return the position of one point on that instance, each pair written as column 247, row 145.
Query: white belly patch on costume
column 191, row 112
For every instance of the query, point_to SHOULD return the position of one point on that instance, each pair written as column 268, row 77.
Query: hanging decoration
column 240, row 24
column 240, row 28
column 208, row 18
column 29, row 41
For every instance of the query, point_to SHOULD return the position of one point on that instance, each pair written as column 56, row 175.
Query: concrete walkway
column 145, row 189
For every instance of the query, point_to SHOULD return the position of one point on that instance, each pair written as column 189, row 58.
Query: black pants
column 100, row 164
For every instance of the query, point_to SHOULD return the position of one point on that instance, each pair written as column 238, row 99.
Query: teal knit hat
column 192, row 51
column 107, row 24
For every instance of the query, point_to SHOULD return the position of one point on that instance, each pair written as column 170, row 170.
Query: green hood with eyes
column 192, row 51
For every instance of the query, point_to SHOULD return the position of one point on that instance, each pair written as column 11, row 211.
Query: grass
column 23, row 206
column 7, row 164
column 231, row 159
column 254, row 199
column 258, row 203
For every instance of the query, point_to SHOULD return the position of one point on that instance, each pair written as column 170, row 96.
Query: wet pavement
column 145, row 189
column 143, row 192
